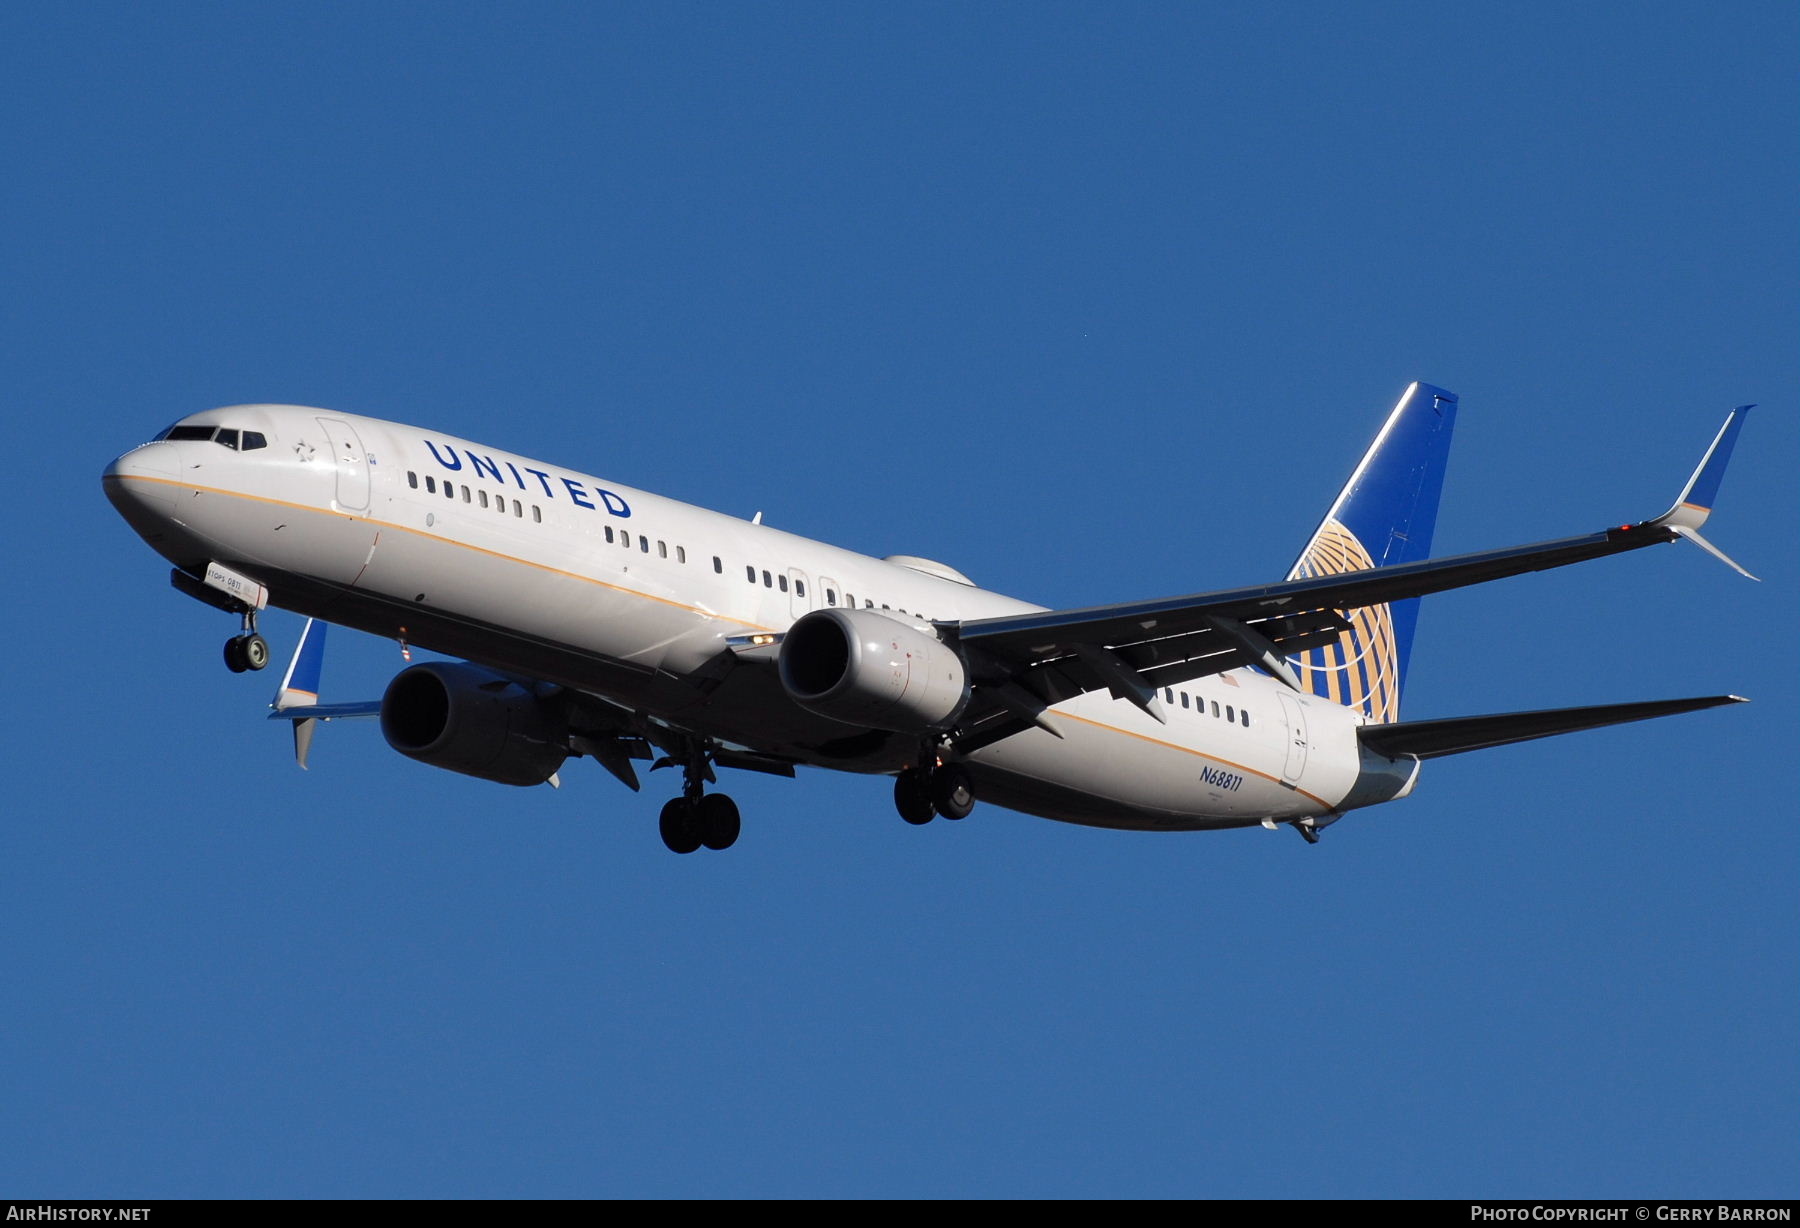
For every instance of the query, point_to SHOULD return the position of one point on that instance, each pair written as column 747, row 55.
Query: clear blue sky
column 1093, row 302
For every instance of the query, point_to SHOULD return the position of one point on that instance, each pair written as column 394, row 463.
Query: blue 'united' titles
column 484, row 466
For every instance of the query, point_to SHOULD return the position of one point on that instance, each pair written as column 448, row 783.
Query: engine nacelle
column 466, row 719
column 866, row 668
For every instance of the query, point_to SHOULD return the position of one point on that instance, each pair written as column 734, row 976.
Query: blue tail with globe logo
column 1384, row 516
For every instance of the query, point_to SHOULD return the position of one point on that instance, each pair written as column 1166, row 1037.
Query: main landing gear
column 248, row 650
column 710, row 821
column 697, row 818
column 923, row 793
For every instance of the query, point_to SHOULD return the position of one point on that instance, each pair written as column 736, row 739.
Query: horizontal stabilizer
column 1453, row 736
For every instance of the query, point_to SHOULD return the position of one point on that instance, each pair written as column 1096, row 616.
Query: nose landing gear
column 224, row 589
column 248, row 650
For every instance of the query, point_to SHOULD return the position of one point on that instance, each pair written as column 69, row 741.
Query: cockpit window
column 230, row 437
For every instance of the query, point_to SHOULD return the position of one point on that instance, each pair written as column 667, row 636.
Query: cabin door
column 352, row 465
column 1295, row 716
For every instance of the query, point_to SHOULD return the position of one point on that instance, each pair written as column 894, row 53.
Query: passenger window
column 681, row 554
column 662, row 550
column 830, row 596
column 869, row 603
column 412, row 479
column 253, row 440
column 430, row 485
column 518, row 509
column 643, row 543
column 481, row 498
column 537, row 516
column 767, row 583
column 749, row 573
column 718, row 566
column 466, row 497
column 1229, row 714
column 1184, row 699
column 1244, row 717
column 1215, row 707
column 781, row 583
column 449, row 490
column 799, row 588
column 609, row 534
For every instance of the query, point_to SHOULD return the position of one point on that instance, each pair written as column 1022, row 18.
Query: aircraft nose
column 143, row 480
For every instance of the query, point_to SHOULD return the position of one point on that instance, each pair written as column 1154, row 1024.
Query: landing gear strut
column 248, row 650
column 924, row 792
column 697, row 818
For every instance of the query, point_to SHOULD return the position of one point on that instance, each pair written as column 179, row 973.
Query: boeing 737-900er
column 595, row 619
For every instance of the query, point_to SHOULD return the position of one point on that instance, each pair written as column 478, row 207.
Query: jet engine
column 866, row 668
column 469, row 720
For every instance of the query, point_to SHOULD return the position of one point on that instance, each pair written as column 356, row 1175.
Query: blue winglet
column 1697, row 497
column 300, row 685
column 1703, row 487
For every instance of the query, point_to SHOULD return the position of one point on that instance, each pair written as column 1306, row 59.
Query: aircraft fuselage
column 539, row 571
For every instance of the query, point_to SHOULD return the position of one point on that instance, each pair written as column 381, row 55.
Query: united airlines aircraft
column 594, row 619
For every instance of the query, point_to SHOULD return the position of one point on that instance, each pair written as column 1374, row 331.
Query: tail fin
column 1384, row 516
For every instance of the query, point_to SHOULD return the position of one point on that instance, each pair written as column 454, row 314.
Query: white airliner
column 595, row 619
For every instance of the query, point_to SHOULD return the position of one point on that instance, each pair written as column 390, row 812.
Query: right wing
column 1025, row 663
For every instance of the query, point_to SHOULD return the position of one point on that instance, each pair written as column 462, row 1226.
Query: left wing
column 1458, row 734
column 598, row 727
column 1025, row 663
